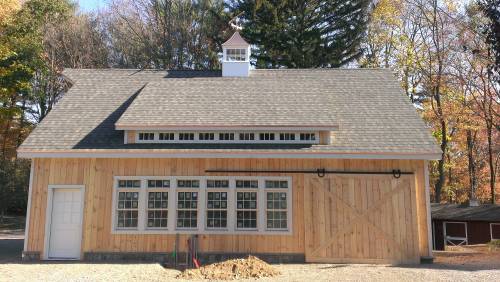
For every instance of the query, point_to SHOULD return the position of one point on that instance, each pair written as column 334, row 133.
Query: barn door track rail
column 320, row 171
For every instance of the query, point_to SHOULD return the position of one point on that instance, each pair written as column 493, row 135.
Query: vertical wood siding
column 97, row 176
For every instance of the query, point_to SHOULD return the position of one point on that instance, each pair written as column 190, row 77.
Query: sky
column 91, row 5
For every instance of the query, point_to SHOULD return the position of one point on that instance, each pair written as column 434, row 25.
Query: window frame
column 201, row 206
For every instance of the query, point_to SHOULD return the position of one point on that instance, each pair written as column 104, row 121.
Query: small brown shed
column 454, row 224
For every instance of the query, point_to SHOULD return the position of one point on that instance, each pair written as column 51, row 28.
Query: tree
column 303, row 33
column 490, row 100
column 166, row 34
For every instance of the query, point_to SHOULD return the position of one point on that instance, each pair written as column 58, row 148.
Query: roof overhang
column 228, row 128
column 141, row 153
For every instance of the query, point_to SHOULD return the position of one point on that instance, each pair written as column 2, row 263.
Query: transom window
column 267, row 136
column 307, row 136
column 146, row 136
column 186, row 136
column 226, row 136
column 206, row 136
column 238, row 55
column 166, row 136
column 287, row 136
column 223, row 204
column 247, row 136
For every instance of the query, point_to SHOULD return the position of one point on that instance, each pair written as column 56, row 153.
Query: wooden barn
column 455, row 225
column 314, row 165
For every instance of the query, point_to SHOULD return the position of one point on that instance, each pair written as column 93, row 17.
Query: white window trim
column 236, row 140
column 202, row 192
column 491, row 231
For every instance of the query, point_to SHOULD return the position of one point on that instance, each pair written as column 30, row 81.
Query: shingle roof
column 465, row 213
column 235, row 41
column 368, row 106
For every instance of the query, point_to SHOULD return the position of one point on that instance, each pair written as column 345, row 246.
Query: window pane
column 216, row 210
column 276, row 213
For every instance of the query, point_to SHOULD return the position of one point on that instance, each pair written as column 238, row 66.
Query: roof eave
column 152, row 153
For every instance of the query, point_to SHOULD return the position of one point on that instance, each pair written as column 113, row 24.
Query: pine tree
column 303, row 33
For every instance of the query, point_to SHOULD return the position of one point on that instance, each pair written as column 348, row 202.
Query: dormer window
column 236, row 55
column 235, row 137
column 146, row 136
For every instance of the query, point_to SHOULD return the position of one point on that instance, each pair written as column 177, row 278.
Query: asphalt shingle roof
column 460, row 212
column 372, row 113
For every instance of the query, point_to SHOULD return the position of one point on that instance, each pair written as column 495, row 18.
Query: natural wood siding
column 360, row 218
column 131, row 136
column 97, row 176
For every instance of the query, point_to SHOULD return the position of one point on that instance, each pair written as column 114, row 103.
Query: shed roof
column 367, row 105
column 459, row 212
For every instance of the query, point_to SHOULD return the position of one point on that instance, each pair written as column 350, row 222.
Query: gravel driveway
column 447, row 267
column 290, row 272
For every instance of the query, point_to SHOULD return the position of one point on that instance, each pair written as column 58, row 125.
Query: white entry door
column 65, row 224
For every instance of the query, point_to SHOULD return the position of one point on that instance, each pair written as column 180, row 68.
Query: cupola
column 236, row 56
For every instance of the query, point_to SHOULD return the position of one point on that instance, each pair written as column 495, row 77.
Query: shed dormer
column 236, row 56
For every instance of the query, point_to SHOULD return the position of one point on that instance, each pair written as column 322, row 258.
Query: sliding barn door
column 360, row 219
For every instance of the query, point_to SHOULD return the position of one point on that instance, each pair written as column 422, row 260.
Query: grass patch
column 494, row 245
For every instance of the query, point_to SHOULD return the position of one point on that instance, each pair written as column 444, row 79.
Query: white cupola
column 235, row 56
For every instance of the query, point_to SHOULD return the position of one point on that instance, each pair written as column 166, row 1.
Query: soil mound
column 251, row 267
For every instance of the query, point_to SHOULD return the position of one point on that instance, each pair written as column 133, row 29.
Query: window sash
column 155, row 209
column 256, row 222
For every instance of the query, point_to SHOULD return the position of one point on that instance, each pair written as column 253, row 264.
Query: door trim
column 48, row 217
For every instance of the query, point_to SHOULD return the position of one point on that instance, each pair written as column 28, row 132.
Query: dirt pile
column 251, row 267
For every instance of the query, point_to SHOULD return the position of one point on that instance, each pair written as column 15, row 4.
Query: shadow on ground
column 11, row 250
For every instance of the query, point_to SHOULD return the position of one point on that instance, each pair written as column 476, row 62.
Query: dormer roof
column 235, row 41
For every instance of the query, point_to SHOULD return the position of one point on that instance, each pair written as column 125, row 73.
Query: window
column 187, row 209
column 267, row 136
column 146, row 136
column 188, row 183
column 216, row 209
column 206, row 136
column 307, row 136
column 247, row 136
column 276, row 204
column 166, row 136
column 287, row 136
column 226, row 136
column 201, row 204
column 246, row 204
column 128, row 204
column 157, row 210
column 238, row 55
column 187, row 203
column 186, row 136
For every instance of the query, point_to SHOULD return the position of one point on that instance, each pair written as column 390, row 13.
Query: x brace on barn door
column 320, row 171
